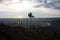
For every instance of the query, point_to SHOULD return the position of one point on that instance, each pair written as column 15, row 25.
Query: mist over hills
column 37, row 22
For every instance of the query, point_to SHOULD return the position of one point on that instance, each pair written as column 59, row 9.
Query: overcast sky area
column 21, row 8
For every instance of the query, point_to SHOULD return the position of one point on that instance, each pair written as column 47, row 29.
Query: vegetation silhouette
column 2, row 24
column 31, row 16
column 10, row 32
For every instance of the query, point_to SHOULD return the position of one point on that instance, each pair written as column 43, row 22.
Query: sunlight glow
column 24, row 5
column 20, row 17
column 14, row 1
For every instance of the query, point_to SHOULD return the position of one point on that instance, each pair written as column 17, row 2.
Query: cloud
column 54, row 4
column 50, row 12
column 7, row 12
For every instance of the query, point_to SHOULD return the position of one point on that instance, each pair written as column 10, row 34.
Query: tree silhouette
column 30, row 15
column 2, row 24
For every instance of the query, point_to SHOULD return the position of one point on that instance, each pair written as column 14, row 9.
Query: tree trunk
column 30, row 22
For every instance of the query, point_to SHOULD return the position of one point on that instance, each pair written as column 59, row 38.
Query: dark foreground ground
column 19, row 33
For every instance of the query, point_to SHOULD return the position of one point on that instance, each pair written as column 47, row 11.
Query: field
column 8, row 32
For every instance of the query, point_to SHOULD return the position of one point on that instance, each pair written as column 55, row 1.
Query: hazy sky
column 17, row 8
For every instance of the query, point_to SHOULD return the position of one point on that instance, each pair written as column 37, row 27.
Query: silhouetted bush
column 2, row 24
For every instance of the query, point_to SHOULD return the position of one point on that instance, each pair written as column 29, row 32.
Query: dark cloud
column 55, row 4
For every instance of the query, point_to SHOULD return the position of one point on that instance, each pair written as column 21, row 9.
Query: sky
column 21, row 8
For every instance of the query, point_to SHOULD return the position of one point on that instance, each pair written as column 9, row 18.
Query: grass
column 20, row 33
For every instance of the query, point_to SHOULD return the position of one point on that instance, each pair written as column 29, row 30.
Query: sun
column 20, row 17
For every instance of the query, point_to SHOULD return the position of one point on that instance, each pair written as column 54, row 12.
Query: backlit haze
column 21, row 8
